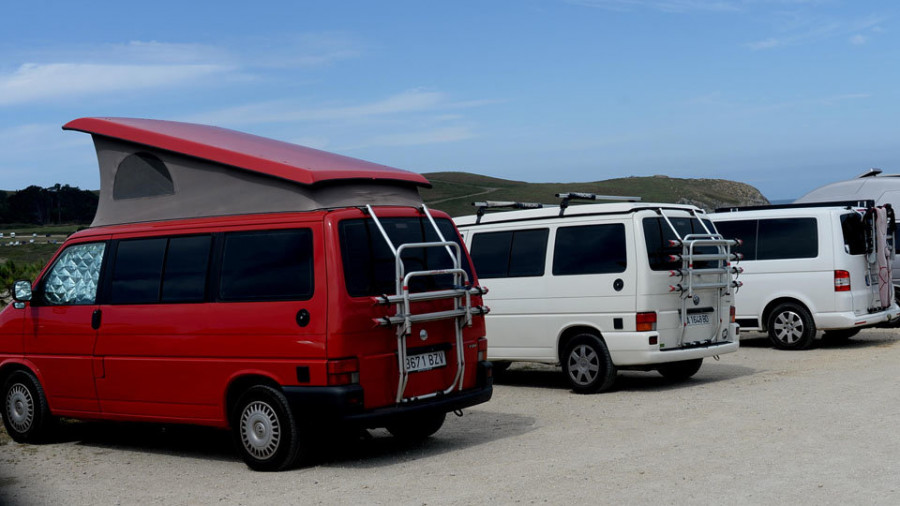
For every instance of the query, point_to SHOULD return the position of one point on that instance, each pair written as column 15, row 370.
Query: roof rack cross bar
column 566, row 197
column 496, row 204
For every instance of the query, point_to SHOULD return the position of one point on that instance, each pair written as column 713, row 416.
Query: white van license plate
column 425, row 361
column 698, row 319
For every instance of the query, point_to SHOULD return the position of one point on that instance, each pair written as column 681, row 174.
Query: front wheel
column 26, row 414
column 791, row 327
column 264, row 430
column 680, row 371
column 587, row 364
column 418, row 427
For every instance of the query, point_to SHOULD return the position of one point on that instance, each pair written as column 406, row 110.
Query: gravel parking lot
column 761, row 426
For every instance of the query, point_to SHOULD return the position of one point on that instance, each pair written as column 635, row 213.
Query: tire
column 264, row 430
column 587, row 364
column 791, row 327
column 839, row 335
column 413, row 429
column 26, row 414
column 680, row 371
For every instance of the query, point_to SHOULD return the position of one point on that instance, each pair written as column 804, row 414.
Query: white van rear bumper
column 846, row 320
column 631, row 349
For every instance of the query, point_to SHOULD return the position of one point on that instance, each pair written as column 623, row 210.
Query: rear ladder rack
column 404, row 318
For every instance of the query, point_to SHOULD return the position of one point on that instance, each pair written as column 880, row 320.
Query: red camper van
column 236, row 281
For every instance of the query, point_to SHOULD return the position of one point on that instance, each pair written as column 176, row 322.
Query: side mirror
column 22, row 291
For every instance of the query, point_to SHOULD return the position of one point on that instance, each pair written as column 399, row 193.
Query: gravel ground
column 760, row 426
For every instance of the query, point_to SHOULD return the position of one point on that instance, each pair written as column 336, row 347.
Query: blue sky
column 785, row 95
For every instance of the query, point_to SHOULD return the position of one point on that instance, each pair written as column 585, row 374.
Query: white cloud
column 34, row 82
column 410, row 101
column 799, row 30
column 858, row 40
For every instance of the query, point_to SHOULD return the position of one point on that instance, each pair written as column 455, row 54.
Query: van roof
column 153, row 170
column 553, row 212
column 245, row 151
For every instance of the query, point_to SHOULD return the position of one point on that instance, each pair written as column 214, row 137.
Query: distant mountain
column 454, row 192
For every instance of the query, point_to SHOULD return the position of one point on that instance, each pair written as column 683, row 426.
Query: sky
column 785, row 95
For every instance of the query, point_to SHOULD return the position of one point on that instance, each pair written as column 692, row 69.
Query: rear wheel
column 264, row 429
column 418, row 427
column 791, row 327
column 680, row 371
column 587, row 364
column 26, row 414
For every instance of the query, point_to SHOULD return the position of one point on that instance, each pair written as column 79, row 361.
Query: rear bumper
column 846, row 320
column 344, row 404
column 631, row 349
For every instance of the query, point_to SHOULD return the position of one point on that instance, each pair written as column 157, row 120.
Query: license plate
column 425, row 361
column 698, row 319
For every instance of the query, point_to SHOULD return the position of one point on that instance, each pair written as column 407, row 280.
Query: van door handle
column 96, row 316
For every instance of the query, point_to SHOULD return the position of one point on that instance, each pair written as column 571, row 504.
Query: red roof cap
column 245, row 151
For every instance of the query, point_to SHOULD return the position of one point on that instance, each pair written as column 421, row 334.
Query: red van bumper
column 345, row 403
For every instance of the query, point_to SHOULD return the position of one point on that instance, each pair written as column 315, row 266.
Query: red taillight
column 841, row 281
column 343, row 372
column 731, row 313
column 645, row 322
column 482, row 349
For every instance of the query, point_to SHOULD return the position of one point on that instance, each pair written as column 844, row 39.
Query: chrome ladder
column 404, row 318
column 689, row 282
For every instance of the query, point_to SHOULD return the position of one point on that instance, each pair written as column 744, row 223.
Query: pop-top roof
column 245, row 151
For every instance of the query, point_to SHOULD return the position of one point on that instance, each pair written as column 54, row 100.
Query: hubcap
column 788, row 327
column 260, row 430
column 20, row 407
column 584, row 364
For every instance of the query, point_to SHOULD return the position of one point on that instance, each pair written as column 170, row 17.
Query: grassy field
column 454, row 192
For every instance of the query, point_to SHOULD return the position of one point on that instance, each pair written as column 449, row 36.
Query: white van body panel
column 882, row 188
column 810, row 281
column 530, row 315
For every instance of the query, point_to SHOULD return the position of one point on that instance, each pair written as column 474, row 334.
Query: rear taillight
column 343, row 372
column 731, row 313
column 645, row 322
column 482, row 349
column 841, row 281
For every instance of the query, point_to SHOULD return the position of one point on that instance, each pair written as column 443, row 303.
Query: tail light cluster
column 841, row 281
column 482, row 349
column 645, row 322
column 343, row 372
column 731, row 314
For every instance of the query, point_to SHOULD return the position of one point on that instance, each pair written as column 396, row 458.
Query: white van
column 870, row 185
column 809, row 267
column 602, row 287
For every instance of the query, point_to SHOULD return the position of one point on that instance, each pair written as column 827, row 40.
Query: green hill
column 454, row 192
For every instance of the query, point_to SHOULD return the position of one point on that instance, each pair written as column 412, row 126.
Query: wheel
column 839, row 335
column 680, row 371
column 26, row 414
column 418, row 427
column 587, row 365
column 265, row 432
column 791, row 327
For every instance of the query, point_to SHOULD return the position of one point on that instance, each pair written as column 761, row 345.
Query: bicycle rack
column 404, row 318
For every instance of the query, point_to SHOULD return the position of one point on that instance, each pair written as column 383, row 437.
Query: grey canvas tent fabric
column 140, row 183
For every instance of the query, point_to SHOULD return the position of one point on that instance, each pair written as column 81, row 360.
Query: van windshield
column 369, row 267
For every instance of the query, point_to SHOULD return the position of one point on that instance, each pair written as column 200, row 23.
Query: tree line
column 48, row 206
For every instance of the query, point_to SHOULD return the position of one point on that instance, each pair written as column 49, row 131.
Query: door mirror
column 22, row 291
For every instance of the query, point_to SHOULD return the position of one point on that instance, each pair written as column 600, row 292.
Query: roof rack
column 839, row 203
column 508, row 204
column 566, row 197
